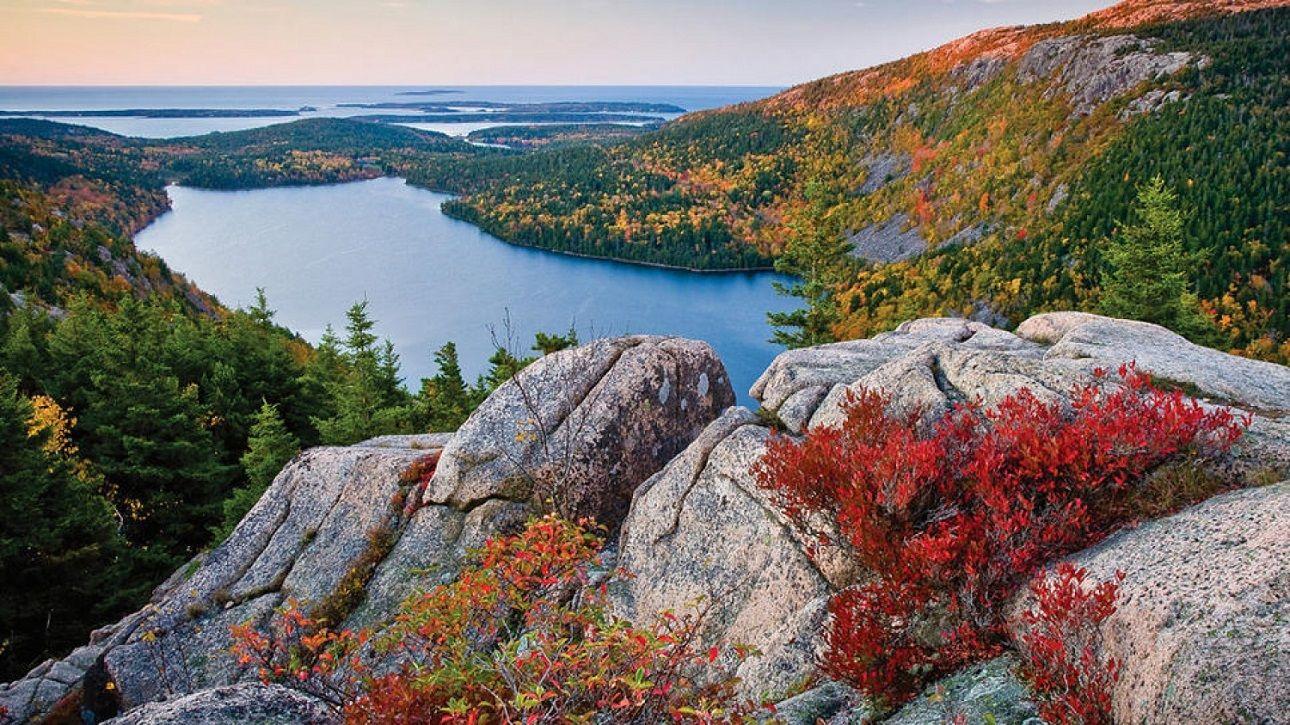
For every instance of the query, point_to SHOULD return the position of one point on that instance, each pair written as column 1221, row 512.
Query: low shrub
column 520, row 636
column 1061, row 649
column 953, row 522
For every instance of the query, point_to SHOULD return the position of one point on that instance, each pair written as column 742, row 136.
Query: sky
column 481, row 42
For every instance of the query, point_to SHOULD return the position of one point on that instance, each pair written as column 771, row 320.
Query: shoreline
column 579, row 255
column 597, row 257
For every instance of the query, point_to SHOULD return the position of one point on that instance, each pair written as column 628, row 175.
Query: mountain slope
column 975, row 179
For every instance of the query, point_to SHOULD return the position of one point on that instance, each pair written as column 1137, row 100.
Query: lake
column 429, row 279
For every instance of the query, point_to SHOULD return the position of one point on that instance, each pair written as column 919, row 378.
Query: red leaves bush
column 1061, row 649
column 519, row 636
column 953, row 522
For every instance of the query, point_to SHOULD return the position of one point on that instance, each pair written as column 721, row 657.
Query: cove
column 430, row 279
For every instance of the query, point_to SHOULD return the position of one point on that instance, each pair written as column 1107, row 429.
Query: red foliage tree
column 951, row 523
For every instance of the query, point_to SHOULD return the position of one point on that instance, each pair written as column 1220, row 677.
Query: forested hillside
column 139, row 418
column 978, row 179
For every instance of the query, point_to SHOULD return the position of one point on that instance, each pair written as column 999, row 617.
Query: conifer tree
column 269, row 448
column 1148, row 274
column 817, row 259
column 445, row 401
column 368, row 396
column 58, row 541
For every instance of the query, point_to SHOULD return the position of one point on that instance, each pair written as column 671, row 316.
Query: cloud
column 124, row 15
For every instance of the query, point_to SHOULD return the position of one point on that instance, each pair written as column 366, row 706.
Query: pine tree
column 58, row 540
column 818, row 259
column 368, row 395
column 445, row 401
column 1149, row 269
column 270, row 447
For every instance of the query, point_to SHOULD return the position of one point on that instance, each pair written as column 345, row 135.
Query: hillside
column 976, row 179
column 71, row 196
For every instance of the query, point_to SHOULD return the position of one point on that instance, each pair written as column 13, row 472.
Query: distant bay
column 222, row 103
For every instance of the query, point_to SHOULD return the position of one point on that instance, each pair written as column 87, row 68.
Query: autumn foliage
column 952, row 522
column 522, row 635
column 1061, row 650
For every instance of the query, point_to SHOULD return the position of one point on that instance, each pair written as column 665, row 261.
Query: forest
column 140, row 419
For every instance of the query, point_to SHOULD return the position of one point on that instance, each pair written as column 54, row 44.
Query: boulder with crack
column 702, row 538
column 1200, row 626
column 582, row 428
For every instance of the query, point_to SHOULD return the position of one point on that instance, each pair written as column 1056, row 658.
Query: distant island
column 511, row 117
column 535, row 137
column 432, row 92
column 162, row 113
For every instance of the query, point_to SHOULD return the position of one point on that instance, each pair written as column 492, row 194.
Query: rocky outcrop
column 584, row 427
column 642, row 428
column 931, row 364
column 1094, row 69
column 894, row 240
column 988, row 693
column 703, row 538
column 1201, row 626
column 702, row 530
column 339, row 532
column 235, row 705
column 882, row 169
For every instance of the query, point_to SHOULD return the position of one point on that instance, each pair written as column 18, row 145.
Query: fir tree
column 270, row 447
column 817, row 259
column 368, row 396
column 445, row 401
column 1148, row 266
column 58, row 542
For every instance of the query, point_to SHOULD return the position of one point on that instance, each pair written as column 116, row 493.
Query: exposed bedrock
column 604, row 417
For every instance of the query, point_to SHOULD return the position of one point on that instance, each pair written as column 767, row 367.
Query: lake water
column 327, row 100
column 430, row 279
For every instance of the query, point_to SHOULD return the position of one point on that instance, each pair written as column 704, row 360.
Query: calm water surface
column 327, row 100
column 430, row 279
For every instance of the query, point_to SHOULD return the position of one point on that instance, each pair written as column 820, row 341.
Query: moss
column 771, row 419
column 352, row 587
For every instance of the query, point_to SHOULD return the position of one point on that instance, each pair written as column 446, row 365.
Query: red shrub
column 519, row 636
column 1061, row 648
column 952, row 523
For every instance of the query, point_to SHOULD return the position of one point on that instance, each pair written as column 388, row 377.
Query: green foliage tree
column 368, row 395
column 445, row 401
column 269, row 448
column 817, row 259
column 1148, row 268
column 547, row 343
column 58, row 542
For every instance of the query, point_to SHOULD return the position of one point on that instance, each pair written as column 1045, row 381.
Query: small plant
column 519, row 636
column 953, row 522
column 1061, row 649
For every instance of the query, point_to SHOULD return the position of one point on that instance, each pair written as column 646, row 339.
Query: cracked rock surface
column 662, row 459
column 617, row 410
column 702, row 529
column 1202, row 624
column 600, row 418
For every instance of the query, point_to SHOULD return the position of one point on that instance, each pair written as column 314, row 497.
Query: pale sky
column 424, row 42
